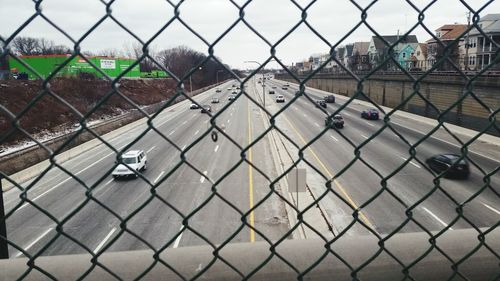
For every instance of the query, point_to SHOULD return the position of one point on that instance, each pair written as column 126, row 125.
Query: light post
column 217, row 75
column 263, row 82
column 191, row 82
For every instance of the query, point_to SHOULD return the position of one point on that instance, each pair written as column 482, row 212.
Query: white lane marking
column 364, row 136
column 206, row 121
column 105, row 240
column 178, row 240
column 491, row 208
column 149, row 150
column 195, row 133
column 202, row 179
column 216, row 148
column 184, row 147
column 317, row 125
column 436, row 217
column 296, row 108
column 64, row 181
column 231, row 114
column 193, row 115
column 345, row 113
column 229, row 120
column 34, row 242
column 455, row 145
column 334, row 138
column 305, row 115
column 183, row 123
column 370, row 124
column 171, row 133
column 411, row 162
column 159, row 176
column 108, row 182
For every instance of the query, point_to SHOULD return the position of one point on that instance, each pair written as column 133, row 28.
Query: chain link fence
column 276, row 138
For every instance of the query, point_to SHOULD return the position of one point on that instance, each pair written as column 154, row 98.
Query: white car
column 135, row 159
column 194, row 106
column 280, row 98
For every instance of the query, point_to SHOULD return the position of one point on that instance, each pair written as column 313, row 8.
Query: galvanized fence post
column 4, row 250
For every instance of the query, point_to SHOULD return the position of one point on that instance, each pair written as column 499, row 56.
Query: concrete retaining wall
column 442, row 91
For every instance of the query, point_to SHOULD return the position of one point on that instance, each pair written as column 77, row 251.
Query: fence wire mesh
column 300, row 150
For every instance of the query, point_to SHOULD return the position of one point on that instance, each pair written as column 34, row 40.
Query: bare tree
column 109, row 53
column 135, row 51
column 182, row 60
column 29, row 46
column 26, row 46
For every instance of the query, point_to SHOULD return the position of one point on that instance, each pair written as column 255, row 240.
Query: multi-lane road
column 375, row 174
column 197, row 191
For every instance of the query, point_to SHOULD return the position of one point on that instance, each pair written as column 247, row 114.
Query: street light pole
column 263, row 83
column 191, row 82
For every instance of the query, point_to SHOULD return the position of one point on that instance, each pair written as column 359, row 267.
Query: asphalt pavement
column 379, row 175
column 197, row 191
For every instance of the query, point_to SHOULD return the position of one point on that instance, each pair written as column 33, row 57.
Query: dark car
column 206, row 109
column 271, row 92
column 320, row 103
column 330, row 99
column 370, row 114
column 450, row 164
column 336, row 121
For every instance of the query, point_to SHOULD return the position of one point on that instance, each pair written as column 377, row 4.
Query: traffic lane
column 216, row 220
column 477, row 147
column 66, row 196
column 381, row 162
column 126, row 198
column 67, row 199
column 350, row 186
column 426, row 149
column 82, row 160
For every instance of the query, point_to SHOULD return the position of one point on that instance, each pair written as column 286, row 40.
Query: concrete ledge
column 302, row 254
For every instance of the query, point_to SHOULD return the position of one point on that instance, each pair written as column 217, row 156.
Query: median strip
column 330, row 175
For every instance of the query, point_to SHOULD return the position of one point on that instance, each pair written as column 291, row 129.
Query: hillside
column 40, row 110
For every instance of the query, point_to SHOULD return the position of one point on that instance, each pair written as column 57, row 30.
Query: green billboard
column 46, row 65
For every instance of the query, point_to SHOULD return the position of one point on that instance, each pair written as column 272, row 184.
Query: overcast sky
column 333, row 19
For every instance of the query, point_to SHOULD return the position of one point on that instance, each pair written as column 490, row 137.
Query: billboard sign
column 108, row 64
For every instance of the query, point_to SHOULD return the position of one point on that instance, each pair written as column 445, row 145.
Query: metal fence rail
column 447, row 254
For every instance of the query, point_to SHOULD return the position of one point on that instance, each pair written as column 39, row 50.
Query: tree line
column 178, row 60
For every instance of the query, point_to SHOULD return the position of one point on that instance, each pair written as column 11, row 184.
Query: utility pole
column 466, row 59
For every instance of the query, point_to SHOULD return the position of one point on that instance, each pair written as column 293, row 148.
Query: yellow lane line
column 250, row 176
column 349, row 199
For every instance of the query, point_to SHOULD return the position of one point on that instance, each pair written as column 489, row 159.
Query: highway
column 412, row 186
column 183, row 189
column 196, row 191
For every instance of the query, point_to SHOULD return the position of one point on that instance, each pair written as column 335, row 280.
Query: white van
column 135, row 159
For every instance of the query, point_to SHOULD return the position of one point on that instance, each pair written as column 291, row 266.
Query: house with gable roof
column 449, row 38
column 483, row 49
column 378, row 51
